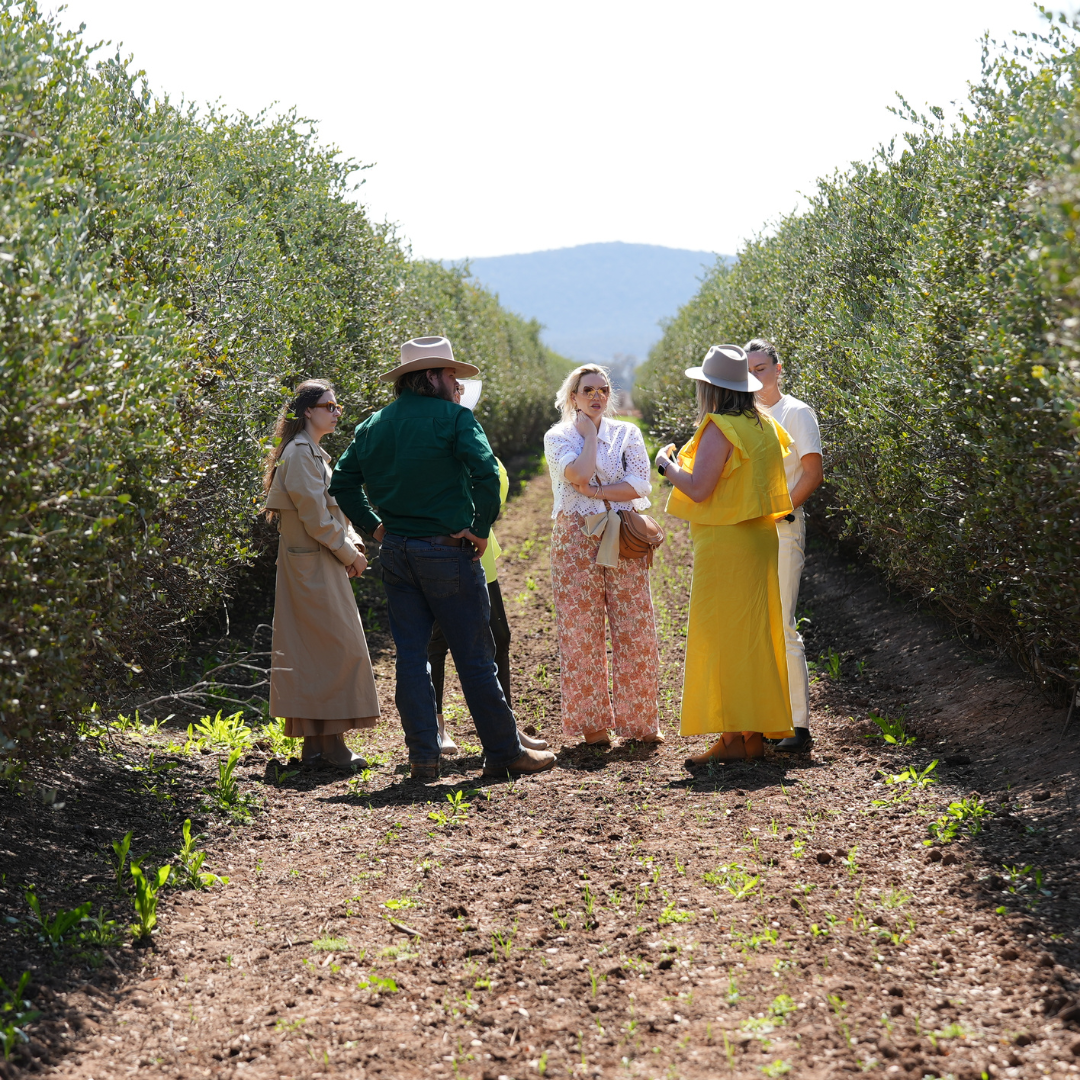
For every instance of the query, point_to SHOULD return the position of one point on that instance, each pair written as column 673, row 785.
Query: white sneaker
column 529, row 743
column 447, row 746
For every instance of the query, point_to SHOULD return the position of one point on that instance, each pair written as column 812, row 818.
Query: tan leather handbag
column 639, row 535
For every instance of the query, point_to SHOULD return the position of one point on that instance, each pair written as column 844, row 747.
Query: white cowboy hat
column 425, row 353
column 725, row 365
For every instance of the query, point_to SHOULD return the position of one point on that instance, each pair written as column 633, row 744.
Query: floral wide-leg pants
column 584, row 593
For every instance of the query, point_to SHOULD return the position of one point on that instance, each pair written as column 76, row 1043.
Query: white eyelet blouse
column 620, row 456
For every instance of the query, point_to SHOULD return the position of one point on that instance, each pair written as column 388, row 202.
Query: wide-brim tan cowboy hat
column 725, row 365
column 425, row 353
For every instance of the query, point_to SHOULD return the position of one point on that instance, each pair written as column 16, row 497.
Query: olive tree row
column 927, row 305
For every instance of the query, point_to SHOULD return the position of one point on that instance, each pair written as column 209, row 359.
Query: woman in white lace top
column 594, row 458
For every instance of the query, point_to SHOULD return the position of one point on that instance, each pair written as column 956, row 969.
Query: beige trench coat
column 320, row 669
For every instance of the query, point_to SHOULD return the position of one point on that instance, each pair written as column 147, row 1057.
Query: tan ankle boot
column 729, row 747
column 529, row 743
column 754, row 744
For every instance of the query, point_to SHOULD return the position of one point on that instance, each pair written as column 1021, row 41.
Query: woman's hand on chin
column 584, row 424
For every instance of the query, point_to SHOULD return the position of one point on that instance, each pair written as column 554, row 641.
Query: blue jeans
column 426, row 583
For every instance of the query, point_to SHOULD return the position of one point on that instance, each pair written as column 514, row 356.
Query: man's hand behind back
column 477, row 542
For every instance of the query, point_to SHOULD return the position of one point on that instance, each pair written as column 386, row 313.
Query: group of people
column 421, row 479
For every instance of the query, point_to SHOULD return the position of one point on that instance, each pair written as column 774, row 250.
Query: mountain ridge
column 599, row 303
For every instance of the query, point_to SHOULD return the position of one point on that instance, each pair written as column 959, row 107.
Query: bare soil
column 615, row 917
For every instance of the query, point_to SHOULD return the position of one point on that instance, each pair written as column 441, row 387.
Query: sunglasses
column 332, row 407
column 595, row 391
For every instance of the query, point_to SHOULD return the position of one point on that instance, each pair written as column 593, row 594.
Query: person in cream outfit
column 804, row 476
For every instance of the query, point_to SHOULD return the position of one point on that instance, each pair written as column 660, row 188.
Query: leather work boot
column 529, row 743
column 531, row 761
column 800, row 743
column 423, row 772
column 447, row 746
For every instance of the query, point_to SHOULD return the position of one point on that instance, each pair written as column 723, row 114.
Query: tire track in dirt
column 615, row 917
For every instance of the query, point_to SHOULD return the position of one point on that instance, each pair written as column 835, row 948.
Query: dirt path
column 613, row 918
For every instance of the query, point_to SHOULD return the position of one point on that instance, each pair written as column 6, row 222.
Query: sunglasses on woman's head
column 331, row 407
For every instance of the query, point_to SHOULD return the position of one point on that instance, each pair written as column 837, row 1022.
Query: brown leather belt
column 443, row 541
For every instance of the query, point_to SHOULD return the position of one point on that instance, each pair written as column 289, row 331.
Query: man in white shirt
column 804, row 475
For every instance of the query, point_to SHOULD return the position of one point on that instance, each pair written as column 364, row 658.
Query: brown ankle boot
column 753, row 744
column 729, row 747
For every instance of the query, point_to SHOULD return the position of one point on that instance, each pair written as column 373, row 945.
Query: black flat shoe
column 800, row 743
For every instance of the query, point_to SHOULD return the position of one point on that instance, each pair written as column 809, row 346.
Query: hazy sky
column 517, row 126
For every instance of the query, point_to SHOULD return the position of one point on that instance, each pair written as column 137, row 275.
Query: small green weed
column 330, row 944
column 777, row 1068
column 967, row 813
column 225, row 794
column 458, row 813
column 832, row 661
column 671, row 914
column 230, row 731
column 378, row 985
column 893, row 731
column 735, row 879
column 190, row 874
column 15, row 1014
column 121, row 849
column 60, row 925
column 146, row 898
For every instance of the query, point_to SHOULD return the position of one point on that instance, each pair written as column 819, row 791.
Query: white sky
column 511, row 126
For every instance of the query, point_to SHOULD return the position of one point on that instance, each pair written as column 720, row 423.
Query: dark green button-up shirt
column 422, row 467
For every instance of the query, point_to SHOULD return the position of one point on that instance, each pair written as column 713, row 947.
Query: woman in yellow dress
column 730, row 485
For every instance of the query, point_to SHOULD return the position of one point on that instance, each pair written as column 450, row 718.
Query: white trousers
column 792, row 536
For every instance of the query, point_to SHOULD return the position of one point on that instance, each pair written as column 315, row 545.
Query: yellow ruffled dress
column 735, row 677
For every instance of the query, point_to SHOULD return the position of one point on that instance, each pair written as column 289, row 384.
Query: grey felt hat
column 725, row 365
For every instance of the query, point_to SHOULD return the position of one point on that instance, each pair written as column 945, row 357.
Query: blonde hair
column 564, row 401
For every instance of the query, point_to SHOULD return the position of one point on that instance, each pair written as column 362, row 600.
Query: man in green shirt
column 421, row 478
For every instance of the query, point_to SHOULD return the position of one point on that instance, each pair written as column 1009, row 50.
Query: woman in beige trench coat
column 320, row 677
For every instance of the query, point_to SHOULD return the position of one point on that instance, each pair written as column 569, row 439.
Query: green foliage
column 912, row 778
column 229, row 731
column 166, row 274
column 892, row 730
column 121, row 849
column 189, row 873
column 458, row 811
column 225, row 795
column 967, row 812
column 61, row 925
column 146, row 898
column 15, row 1014
column 927, row 304
column 330, row 944
column 735, row 879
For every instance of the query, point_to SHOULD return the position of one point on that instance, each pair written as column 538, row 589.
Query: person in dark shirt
column 420, row 476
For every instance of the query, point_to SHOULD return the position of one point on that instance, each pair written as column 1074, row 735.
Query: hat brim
column 751, row 384
column 430, row 363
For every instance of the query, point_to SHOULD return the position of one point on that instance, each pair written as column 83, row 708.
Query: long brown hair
column 289, row 424
column 719, row 399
